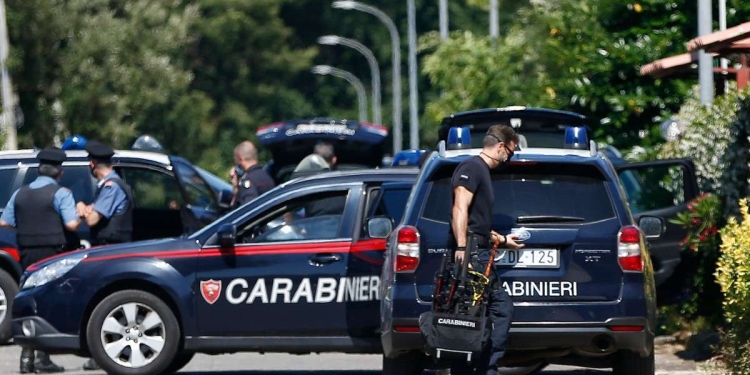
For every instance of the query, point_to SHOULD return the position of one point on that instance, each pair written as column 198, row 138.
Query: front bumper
column 594, row 338
column 36, row 333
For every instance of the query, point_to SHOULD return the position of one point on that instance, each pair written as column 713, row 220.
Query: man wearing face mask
column 110, row 216
column 471, row 216
column 249, row 179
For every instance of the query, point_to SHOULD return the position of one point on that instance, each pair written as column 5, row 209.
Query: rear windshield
column 551, row 190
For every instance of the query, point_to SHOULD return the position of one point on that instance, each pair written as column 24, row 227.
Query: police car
column 172, row 197
column 357, row 144
column 242, row 283
column 583, row 286
column 545, row 128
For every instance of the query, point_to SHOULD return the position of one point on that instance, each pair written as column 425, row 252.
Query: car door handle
column 324, row 258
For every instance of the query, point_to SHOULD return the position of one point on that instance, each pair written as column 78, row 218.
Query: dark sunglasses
column 507, row 149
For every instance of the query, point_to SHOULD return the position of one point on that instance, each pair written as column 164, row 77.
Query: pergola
column 730, row 42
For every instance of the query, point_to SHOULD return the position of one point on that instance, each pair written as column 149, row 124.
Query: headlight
column 52, row 271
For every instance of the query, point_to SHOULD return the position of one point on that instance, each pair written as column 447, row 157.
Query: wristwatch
column 505, row 239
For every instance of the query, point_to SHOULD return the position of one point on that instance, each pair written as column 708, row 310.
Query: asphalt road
column 323, row 364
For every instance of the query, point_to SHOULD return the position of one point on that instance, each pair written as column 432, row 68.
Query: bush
column 703, row 294
column 733, row 274
column 706, row 135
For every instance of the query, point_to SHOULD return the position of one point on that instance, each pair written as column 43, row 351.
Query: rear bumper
column 595, row 338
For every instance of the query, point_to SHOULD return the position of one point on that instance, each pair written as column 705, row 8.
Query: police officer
column 110, row 216
column 41, row 213
column 249, row 179
column 471, row 215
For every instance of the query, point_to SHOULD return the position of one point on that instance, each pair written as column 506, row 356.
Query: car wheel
column 180, row 361
column 525, row 370
column 8, row 291
column 133, row 332
column 411, row 363
column 631, row 363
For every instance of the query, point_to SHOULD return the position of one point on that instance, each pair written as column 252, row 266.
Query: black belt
column 481, row 241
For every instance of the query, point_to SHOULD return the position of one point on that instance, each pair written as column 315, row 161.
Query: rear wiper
column 547, row 219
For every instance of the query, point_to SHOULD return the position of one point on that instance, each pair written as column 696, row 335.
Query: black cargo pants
column 500, row 312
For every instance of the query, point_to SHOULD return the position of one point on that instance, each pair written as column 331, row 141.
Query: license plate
column 529, row 258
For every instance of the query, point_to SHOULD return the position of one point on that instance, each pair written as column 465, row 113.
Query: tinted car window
column 7, row 177
column 198, row 192
column 392, row 204
column 76, row 178
column 152, row 189
column 533, row 190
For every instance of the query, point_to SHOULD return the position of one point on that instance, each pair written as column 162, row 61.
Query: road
column 324, row 364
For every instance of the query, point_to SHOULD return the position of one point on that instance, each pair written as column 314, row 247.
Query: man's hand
column 233, row 178
column 461, row 254
column 81, row 209
column 512, row 244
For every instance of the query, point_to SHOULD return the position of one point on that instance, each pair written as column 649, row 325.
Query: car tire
column 8, row 291
column 411, row 363
column 122, row 319
column 180, row 361
column 631, row 363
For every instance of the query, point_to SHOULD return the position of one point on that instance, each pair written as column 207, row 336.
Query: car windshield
column 7, row 177
column 538, row 193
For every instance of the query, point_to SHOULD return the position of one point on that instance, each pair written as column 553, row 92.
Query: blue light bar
column 407, row 158
column 459, row 138
column 576, row 138
column 74, row 142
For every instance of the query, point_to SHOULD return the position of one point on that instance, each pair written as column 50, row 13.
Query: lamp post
column 9, row 121
column 361, row 95
column 443, row 6
column 374, row 69
column 413, row 99
column 396, row 45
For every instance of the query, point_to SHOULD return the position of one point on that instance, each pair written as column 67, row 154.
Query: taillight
column 407, row 250
column 13, row 252
column 629, row 249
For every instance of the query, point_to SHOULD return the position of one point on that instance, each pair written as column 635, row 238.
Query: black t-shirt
column 474, row 175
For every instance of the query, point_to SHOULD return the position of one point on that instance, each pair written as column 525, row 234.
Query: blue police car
column 357, row 144
column 545, row 128
column 297, row 270
column 583, row 286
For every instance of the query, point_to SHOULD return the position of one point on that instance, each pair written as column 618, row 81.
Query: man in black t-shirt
column 471, row 215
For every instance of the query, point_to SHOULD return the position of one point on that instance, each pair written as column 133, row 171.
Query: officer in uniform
column 249, row 179
column 471, row 215
column 110, row 216
column 41, row 213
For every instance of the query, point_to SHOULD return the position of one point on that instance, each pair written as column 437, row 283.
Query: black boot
column 91, row 365
column 44, row 364
column 27, row 360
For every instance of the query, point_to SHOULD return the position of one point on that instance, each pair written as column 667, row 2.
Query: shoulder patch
column 246, row 184
column 109, row 183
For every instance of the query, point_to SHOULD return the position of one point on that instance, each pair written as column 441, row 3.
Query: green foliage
column 736, row 171
column 703, row 217
column 733, row 274
column 706, row 135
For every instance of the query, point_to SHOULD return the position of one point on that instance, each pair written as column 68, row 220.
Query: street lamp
column 361, row 95
column 396, row 45
column 332, row 40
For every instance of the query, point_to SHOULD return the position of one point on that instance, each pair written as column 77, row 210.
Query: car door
column 286, row 275
column 366, row 261
column 201, row 204
column 157, row 199
column 662, row 188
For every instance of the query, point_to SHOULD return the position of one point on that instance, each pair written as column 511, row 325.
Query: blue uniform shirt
column 112, row 198
column 63, row 201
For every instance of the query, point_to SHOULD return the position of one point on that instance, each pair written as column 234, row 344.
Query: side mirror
column 652, row 226
column 227, row 235
column 379, row 226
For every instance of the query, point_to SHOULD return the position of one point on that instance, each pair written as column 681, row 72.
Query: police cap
column 51, row 155
column 99, row 151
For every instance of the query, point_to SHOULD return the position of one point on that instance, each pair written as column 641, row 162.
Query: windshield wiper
column 548, row 219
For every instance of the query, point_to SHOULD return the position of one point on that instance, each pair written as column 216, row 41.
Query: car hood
column 124, row 249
